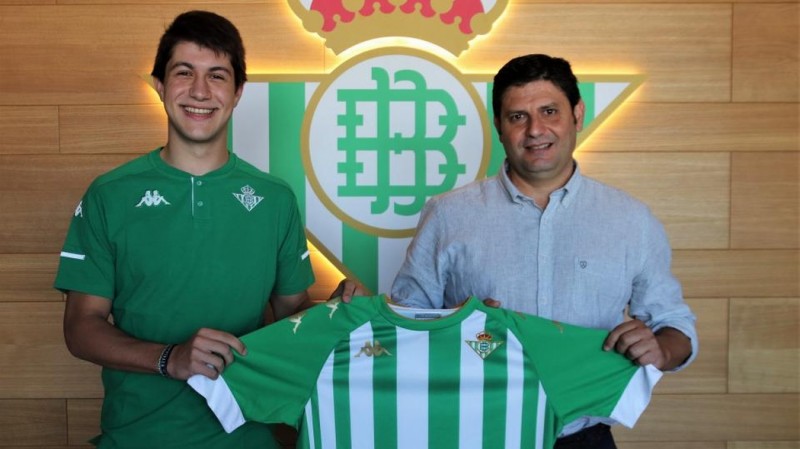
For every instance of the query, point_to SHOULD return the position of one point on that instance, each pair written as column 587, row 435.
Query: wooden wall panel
column 765, row 345
column 684, row 52
column 717, row 417
column 703, row 127
column 38, row 197
column 105, row 66
column 709, row 372
column 28, row 230
column 765, row 200
column 84, row 420
column 764, row 445
column 31, row 335
column 28, row 129
column 28, row 278
column 689, row 194
column 112, row 129
column 745, row 273
column 766, row 54
column 33, row 422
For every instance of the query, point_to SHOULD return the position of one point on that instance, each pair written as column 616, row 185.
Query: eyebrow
column 191, row 66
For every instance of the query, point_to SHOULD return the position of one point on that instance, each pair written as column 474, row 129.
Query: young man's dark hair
column 207, row 30
column 525, row 69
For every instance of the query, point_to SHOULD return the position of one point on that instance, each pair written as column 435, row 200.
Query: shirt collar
column 564, row 195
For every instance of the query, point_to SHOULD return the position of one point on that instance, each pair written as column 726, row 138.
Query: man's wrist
column 163, row 359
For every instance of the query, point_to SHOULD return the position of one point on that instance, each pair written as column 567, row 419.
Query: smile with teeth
column 541, row 146
column 198, row 110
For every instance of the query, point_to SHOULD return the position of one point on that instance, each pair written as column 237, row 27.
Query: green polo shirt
column 173, row 253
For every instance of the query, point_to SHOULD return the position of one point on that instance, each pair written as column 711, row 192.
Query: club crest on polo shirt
column 484, row 345
column 152, row 199
column 248, row 198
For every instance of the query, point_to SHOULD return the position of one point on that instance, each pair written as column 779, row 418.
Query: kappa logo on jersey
column 333, row 304
column 484, row 345
column 371, row 350
column 297, row 320
column 248, row 198
column 152, row 199
column 79, row 210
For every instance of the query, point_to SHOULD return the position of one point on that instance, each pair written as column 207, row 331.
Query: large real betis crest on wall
column 366, row 145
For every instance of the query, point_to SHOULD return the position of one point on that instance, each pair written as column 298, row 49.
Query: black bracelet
column 162, row 361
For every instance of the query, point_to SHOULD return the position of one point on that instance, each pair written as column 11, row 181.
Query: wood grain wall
column 710, row 141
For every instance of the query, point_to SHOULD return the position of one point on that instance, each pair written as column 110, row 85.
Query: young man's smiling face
column 199, row 94
column 538, row 129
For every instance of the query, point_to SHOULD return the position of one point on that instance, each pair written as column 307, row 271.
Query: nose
column 536, row 126
column 199, row 89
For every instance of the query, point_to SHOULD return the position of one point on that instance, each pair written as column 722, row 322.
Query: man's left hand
column 637, row 342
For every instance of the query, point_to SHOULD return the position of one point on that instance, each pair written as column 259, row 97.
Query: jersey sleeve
column 580, row 378
column 86, row 262
column 275, row 380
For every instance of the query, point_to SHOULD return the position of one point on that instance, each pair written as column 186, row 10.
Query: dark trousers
column 595, row 437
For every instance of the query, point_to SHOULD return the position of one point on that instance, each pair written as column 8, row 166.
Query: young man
column 543, row 239
column 186, row 247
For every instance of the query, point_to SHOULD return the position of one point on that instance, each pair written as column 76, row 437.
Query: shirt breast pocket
column 601, row 291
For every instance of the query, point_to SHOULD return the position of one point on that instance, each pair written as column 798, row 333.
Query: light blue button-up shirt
column 592, row 253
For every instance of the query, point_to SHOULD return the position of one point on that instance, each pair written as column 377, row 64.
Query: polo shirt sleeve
column 86, row 261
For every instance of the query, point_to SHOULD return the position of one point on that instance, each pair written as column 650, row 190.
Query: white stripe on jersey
column 514, row 392
column 362, row 410
column 470, row 425
column 327, row 417
column 412, row 402
column 73, row 255
column 308, row 426
column 541, row 412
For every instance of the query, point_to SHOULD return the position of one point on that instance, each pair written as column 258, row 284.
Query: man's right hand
column 207, row 352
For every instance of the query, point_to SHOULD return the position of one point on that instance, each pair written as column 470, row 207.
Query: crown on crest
column 451, row 24
column 483, row 336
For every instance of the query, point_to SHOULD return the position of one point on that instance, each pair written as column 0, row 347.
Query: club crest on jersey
column 371, row 350
column 152, row 199
column 248, row 198
column 484, row 345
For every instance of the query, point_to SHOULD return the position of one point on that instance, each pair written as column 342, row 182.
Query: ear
column 159, row 88
column 238, row 95
column 579, row 111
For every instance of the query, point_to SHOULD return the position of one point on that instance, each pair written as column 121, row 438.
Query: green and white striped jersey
column 372, row 375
